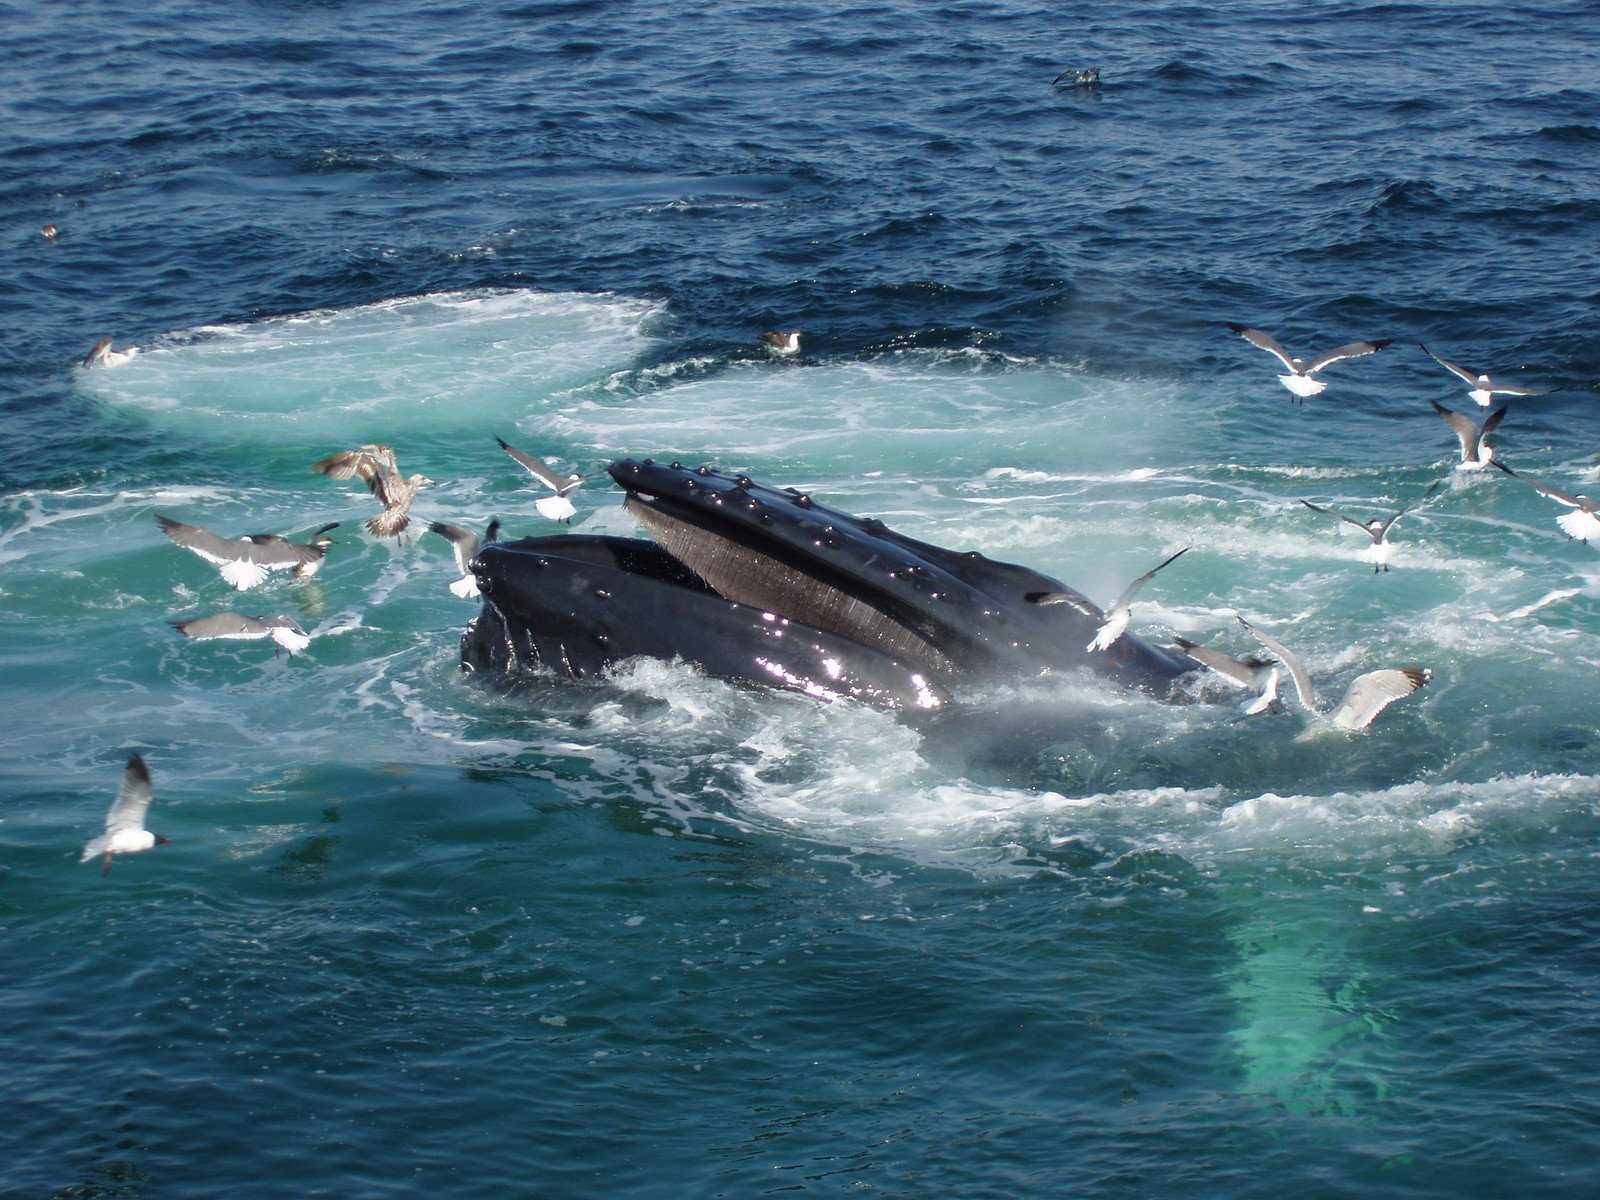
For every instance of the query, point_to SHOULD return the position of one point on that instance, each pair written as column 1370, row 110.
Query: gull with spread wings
column 246, row 561
column 376, row 467
column 1113, row 620
column 1367, row 696
column 125, row 832
column 1301, row 380
column 1377, row 529
column 553, row 508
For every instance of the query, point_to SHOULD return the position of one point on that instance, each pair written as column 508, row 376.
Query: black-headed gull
column 1113, row 620
column 552, row 508
column 1581, row 522
column 1475, row 451
column 125, row 832
column 375, row 464
column 1376, row 529
column 1259, row 675
column 246, row 561
column 235, row 627
column 465, row 545
column 1301, row 379
column 1483, row 389
column 1367, row 696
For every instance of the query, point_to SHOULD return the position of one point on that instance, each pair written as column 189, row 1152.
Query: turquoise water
column 663, row 935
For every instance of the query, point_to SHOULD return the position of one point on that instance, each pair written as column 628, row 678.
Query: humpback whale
column 766, row 585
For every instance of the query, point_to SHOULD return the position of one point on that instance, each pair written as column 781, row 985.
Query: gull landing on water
column 125, row 832
column 1475, row 452
column 785, row 341
column 465, row 544
column 1581, row 522
column 1367, row 696
column 1260, row 675
column 233, row 627
column 1113, row 620
column 552, row 508
column 245, row 563
column 1483, row 389
column 1300, row 379
column 375, row 464
column 104, row 356
column 1377, row 530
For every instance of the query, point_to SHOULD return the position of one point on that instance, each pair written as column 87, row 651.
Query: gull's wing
column 262, row 549
column 1297, row 669
column 98, row 352
column 230, row 626
column 1361, row 525
column 1373, row 692
column 1132, row 589
column 1072, row 599
column 1555, row 493
column 1242, row 671
column 133, row 798
column 463, row 542
column 1389, row 524
column 1266, row 342
column 1469, row 376
column 375, row 465
column 535, row 467
column 1467, row 430
column 1353, row 350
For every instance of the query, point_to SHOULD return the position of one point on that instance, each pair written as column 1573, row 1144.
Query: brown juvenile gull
column 784, row 341
column 1475, row 452
column 1376, row 529
column 125, row 832
column 1482, row 388
column 557, row 507
column 465, row 545
column 245, row 562
column 1367, row 696
column 1113, row 620
column 1300, row 379
column 376, row 466
column 232, row 626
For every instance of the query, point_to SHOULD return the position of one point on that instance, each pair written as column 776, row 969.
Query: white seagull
column 1300, row 379
column 104, row 356
column 1260, row 675
column 245, row 563
column 125, row 832
column 376, row 466
column 465, row 544
column 1581, row 522
column 232, row 626
column 785, row 342
column 1377, row 530
column 1113, row 620
column 1367, row 696
column 1475, row 451
column 552, row 508
column 1482, row 388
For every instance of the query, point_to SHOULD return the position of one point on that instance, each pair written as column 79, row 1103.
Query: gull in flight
column 1300, row 379
column 232, row 626
column 1113, row 620
column 104, row 356
column 375, row 464
column 125, row 832
column 465, row 544
column 552, row 508
column 786, row 341
column 1580, row 522
column 1475, row 451
column 245, row 563
column 1260, row 675
column 1376, row 529
column 1480, row 387
column 1367, row 696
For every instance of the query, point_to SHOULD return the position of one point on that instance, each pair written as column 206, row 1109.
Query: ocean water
column 665, row 936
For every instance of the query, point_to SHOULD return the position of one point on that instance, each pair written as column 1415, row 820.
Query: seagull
column 782, row 342
column 1114, row 620
column 376, row 466
column 233, row 627
column 48, row 232
column 1260, row 675
column 104, row 356
column 1475, row 452
column 1482, row 388
column 557, row 507
column 1377, row 530
column 1078, row 77
column 1367, row 696
column 1581, row 522
column 465, row 544
column 125, row 832
column 246, row 562
column 1299, row 379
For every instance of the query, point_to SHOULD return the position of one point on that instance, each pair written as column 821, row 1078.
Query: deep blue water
column 662, row 936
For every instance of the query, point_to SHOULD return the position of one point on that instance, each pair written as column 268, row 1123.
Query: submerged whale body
column 754, row 583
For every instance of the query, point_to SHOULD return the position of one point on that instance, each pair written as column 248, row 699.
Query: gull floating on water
column 1113, row 620
column 553, row 508
column 1475, row 452
column 1376, row 529
column 232, row 626
column 465, row 544
column 785, row 341
column 125, row 832
column 48, row 232
column 1483, row 389
column 244, row 563
column 1077, row 77
column 1581, row 522
column 1300, row 379
column 375, row 464
column 1367, row 696
column 104, row 356
column 1260, row 675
